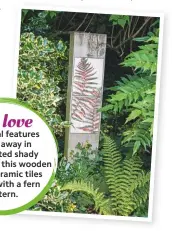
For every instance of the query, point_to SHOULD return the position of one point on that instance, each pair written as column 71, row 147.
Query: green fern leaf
column 133, row 115
column 102, row 205
column 127, row 182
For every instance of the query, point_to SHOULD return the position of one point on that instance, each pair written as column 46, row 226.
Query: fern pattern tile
column 86, row 95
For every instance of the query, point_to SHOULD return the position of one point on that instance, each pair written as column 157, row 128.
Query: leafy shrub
column 38, row 22
column 86, row 166
column 121, row 20
column 101, row 204
column 133, row 96
column 55, row 201
column 41, row 75
column 84, row 163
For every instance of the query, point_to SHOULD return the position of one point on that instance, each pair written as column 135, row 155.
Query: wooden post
column 85, row 89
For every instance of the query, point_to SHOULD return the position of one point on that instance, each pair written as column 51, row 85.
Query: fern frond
column 113, row 170
column 145, row 58
column 140, row 195
column 102, row 205
column 84, row 77
column 146, row 108
column 125, row 179
column 129, row 90
column 131, row 170
column 139, row 134
column 141, row 180
column 86, row 97
column 135, row 95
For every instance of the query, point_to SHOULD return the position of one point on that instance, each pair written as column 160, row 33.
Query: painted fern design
column 84, row 79
column 86, row 99
column 93, row 116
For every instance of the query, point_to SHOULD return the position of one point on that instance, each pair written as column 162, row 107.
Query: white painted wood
column 85, row 89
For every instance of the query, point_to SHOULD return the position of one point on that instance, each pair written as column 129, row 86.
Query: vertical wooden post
column 85, row 89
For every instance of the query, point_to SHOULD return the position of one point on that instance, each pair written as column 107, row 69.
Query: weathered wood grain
column 89, row 45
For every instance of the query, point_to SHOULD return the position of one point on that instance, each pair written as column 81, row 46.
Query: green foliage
column 38, row 22
column 142, row 211
column 84, row 163
column 42, row 71
column 101, row 204
column 134, row 96
column 24, row 13
column 127, row 182
column 121, row 20
column 55, row 200
column 128, row 91
column 145, row 58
